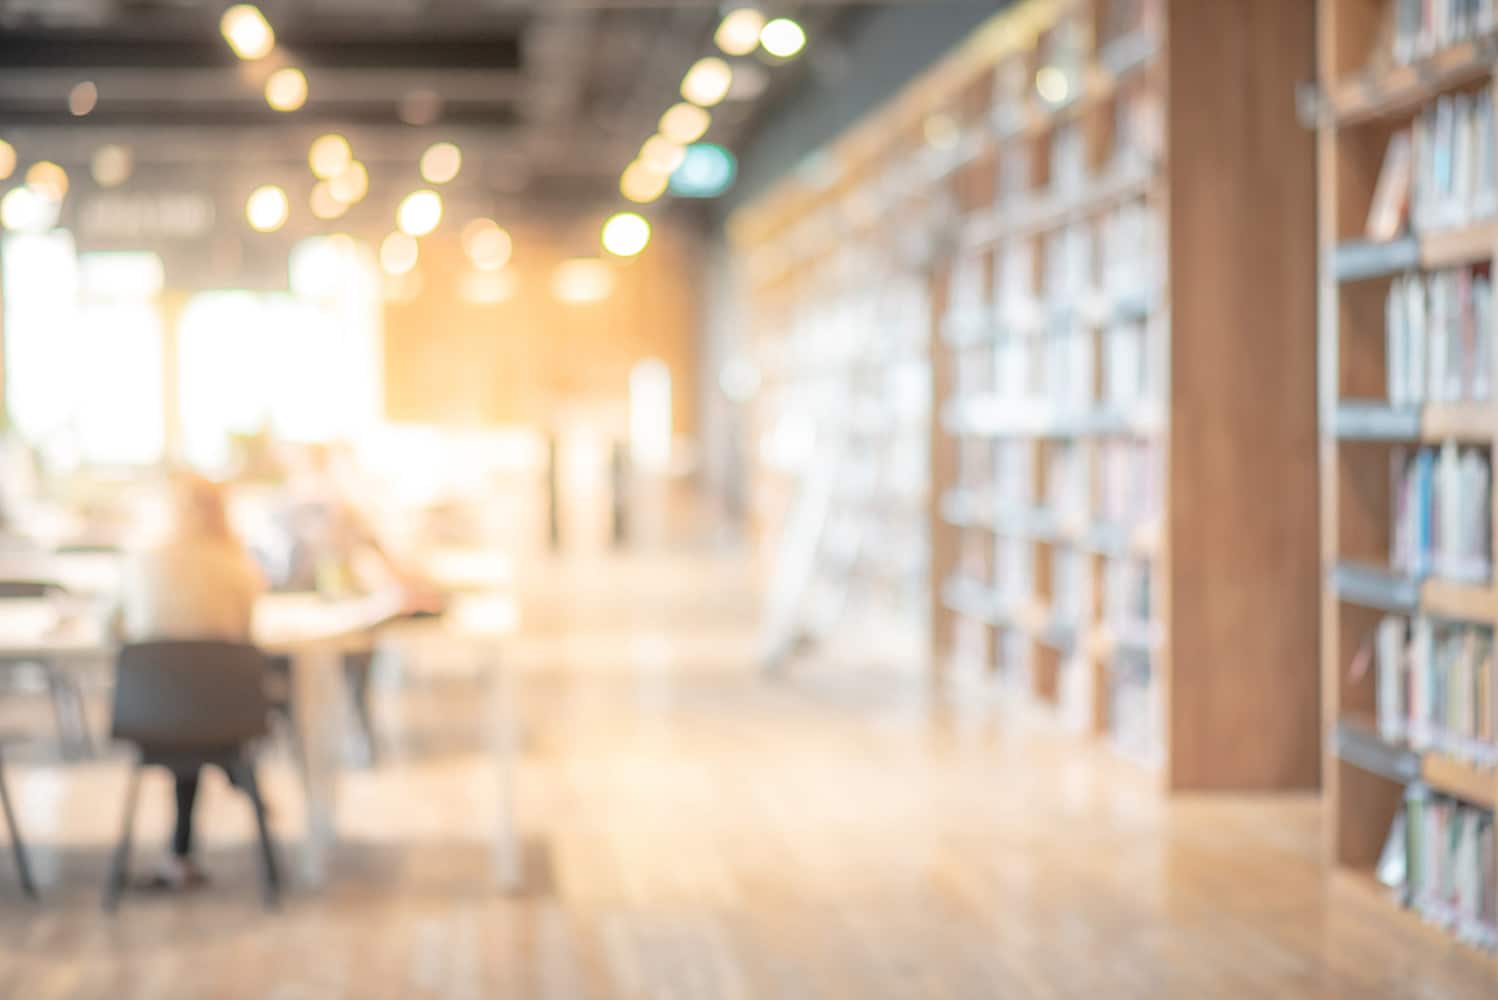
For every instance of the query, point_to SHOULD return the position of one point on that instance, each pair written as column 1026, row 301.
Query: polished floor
column 694, row 832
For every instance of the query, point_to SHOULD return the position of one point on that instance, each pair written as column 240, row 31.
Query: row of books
column 1422, row 27
column 1454, row 170
column 1436, row 687
column 1128, row 604
column 1439, row 330
column 1442, row 513
column 1128, row 481
column 1440, row 858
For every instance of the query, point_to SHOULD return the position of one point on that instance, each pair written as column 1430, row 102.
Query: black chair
column 17, row 844
column 67, row 697
column 187, row 705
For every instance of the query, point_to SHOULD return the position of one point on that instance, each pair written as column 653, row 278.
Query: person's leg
column 187, row 795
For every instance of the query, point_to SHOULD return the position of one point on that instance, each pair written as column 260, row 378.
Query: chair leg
column 271, row 875
column 62, row 713
column 83, row 739
column 17, row 845
column 356, row 672
column 119, row 869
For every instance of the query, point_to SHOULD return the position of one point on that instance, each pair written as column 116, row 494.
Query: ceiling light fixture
column 83, row 98
column 738, row 33
column 626, row 234
column 247, row 31
column 641, row 183
column 707, row 82
column 441, row 163
column 685, row 123
column 329, row 156
column 420, row 212
column 661, row 154
column 783, row 38
column 48, row 180
column 351, row 184
column 286, row 90
column 267, row 209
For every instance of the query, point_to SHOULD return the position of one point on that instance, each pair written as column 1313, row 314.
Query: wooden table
column 314, row 634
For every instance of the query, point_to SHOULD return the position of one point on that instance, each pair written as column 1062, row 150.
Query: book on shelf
column 1015, row 571
column 1453, row 178
column 1450, row 871
column 1435, row 687
column 1439, row 337
column 1423, row 27
column 1127, row 599
column 1442, row 513
column 1128, row 481
column 1070, row 585
column 1067, row 483
column 1130, row 250
column 1068, row 160
column 1391, row 195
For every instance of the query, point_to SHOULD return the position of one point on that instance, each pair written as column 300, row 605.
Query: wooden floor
column 694, row 832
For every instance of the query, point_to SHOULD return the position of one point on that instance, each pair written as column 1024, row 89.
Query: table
column 314, row 634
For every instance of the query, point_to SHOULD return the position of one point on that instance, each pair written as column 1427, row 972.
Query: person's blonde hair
column 200, row 509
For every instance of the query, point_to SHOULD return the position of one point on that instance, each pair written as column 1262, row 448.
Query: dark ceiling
column 549, row 99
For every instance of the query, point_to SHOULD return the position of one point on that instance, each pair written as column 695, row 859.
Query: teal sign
column 706, row 172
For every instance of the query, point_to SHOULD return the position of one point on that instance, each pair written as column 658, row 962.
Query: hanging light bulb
column 626, row 234
column 286, row 90
column 685, row 123
column 247, row 31
column 352, row 184
column 441, row 163
column 707, row 82
column 420, row 212
column 738, row 32
column 329, row 156
column 267, row 209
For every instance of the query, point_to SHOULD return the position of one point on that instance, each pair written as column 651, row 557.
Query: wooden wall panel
column 531, row 358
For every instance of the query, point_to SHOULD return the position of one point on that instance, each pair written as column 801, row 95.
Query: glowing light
column 48, row 180
column 420, row 212
column 83, row 98
column 626, row 234
column 247, row 31
column 487, row 245
column 399, row 254
column 441, row 163
column 783, row 38
column 1051, row 84
column 7, row 159
column 661, row 154
column 267, row 209
column 324, row 203
column 23, row 210
column 641, row 183
column 329, row 156
column 352, row 184
column 286, row 90
column 111, row 166
column 738, row 33
column 487, row 289
column 685, row 123
column 707, row 82
column 582, row 280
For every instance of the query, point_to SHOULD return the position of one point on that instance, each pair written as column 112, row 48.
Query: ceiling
column 549, row 99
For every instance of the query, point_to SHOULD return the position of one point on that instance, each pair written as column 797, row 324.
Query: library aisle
column 694, row 830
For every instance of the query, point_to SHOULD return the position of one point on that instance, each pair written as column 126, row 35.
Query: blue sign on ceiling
column 706, row 171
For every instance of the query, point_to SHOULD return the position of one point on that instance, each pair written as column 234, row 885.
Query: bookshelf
column 1407, row 427
column 1117, row 240
column 1129, row 504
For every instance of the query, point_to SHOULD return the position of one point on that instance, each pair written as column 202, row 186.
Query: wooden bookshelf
column 1137, row 555
column 1216, row 686
column 1364, row 98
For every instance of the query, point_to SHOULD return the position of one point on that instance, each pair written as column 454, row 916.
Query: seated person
column 196, row 583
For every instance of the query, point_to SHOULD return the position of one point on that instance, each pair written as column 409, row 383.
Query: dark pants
column 187, row 794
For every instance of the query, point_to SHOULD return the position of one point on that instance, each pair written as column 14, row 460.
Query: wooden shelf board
column 1459, row 421
column 1465, row 781
column 1462, row 245
column 1402, row 88
column 1462, row 602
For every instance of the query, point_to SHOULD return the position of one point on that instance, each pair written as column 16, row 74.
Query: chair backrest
column 190, row 696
